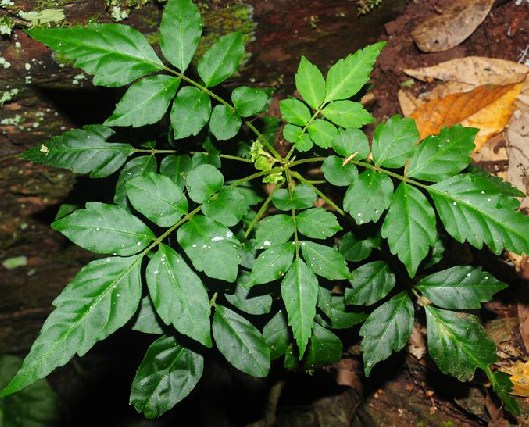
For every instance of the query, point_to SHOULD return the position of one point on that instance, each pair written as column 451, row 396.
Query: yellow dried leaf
column 408, row 102
column 487, row 107
column 519, row 373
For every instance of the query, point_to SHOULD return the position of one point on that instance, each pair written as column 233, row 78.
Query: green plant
column 225, row 250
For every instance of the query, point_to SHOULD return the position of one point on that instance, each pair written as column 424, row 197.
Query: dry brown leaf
column 519, row 373
column 451, row 27
column 417, row 341
column 487, row 107
column 473, row 71
column 408, row 102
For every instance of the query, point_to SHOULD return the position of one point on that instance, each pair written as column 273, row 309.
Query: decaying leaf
column 408, row 102
column 501, row 332
column 487, row 107
column 519, row 373
column 417, row 342
column 451, row 27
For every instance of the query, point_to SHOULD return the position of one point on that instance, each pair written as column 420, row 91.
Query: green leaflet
column 497, row 184
column 180, row 31
column 351, row 141
column 474, row 209
column 368, row 196
column 115, row 54
column 167, row 374
column 35, row 406
column 322, row 133
column 333, row 306
column 252, row 195
column 274, row 230
column 224, row 123
column 461, row 287
column 211, row 247
column 176, row 168
column 441, row 156
column 249, row 101
column 296, row 135
column 104, row 229
column 248, row 300
column 276, row 335
column 240, row 342
column 190, row 112
column 347, row 114
column 348, row 75
column 272, row 264
column 102, row 297
column 317, row 223
column 436, row 253
column 294, row 111
column 178, row 295
column 357, row 250
column 303, row 197
column 146, row 320
column 502, row 385
column 222, row 59
column 228, row 207
column 310, row 83
column 65, row 209
column 203, row 181
column 458, row 343
column 337, row 173
column 410, row 226
column 324, row 348
column 138, row 166
column 387, row 329
column 370, row 283
column 299, row 290
column 325, row 261
column 82, row 151
column 158, row 198
column 394, row 142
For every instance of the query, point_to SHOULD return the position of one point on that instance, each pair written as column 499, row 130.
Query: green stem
column 323, row 196
column 262, row 138
column 213, row 300
column 253, row 176
column 305, row 129
column 260, row 212
column 153, row 151
column 311, row 160
column 290, row 182
column 378, row 169
column 239, row 159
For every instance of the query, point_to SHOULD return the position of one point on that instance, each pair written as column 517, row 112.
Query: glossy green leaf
column 322, row 133
column 441, row 156
column 158, row 198
column 333, row 306
column 310, row 83
column 200, row 159
column 324, row 348
column 272, row 264
column 167, row 374
column 82, row 151
column 410, row 226
column 347, row 114
column 497, row 184
column 368, row 196
column 274, row 230
column 240, row 342
column 180, row 31
column 65, row 209
column 252, row 194
column 294, row 111
column 138, row 166
column 387, row 329
column 502, row 386
column 350, row 141
column 224, row 123
column 211, row 247
column 292, row 133
column 249, row 300
column 303, row 197
column 102, row 297
column 222, row 59
column 178, row 295
column 458, row 343
column 145, row 102
column 347, row 76
column 461, row 287
column 474, row 209
column 35, row 406
column 370, row 283
column 104, row 229
column 299, row 290
column 115, row 54
column 249, row 101
column 276, row 335
column 325, row 261
column 190, row 112
column 394, row 142
column 337, row 173
column 436, row 254
column 146, row 320
column 317, row 223
column 228, row 207
column 357, row 250
column 203, row 181
column 176, row 168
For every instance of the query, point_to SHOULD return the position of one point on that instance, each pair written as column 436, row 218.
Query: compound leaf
column 224, row 123
column 394, row 142
column 274, row 230
column 322, row 133
column 249, row 101
column 146, row 320
column 317, row 223
column 347, row 114
column 324, row 348
column 276, row 335
column 176, row 168
column 325, row 261
column 310, row 83
column 333, row 306
column 178, row 295
column 387, row 329
column 371, row 282
column 167, row 374
column 228, row 207
column 357, row 250
column 351, row 141
column 294, row 111
column 138, row 166
column 102, row 297
column 190, row 112
column 115, row 54
column 104, row 229
column 302, row 197
column 247, row 300
column 337, row 173
column 203, row 181
column 240, row 342
column 272, row 264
